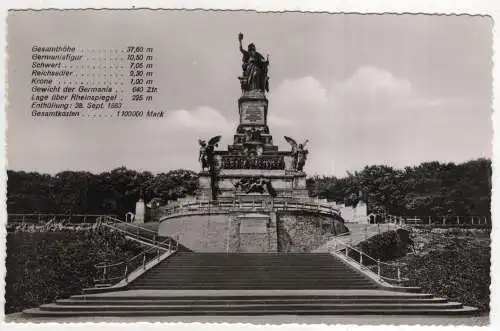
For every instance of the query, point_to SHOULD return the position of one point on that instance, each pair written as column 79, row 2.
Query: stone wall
column 300, row 232
column 284, row 232
column 261, row 239
column 200, row 233
column 356, row 214
column 222, row 233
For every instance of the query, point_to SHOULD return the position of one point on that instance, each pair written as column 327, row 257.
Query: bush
column 459, row 271
column 44, row 266
column 387, row 245
column 455, row 264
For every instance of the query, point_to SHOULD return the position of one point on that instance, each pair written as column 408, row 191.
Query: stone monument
column 252, row 196
column 252, row 166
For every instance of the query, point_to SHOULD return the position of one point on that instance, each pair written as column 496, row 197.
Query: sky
column 364, row 89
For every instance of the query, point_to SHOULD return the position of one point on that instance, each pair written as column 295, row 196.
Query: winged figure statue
column 298, row 152
column 206, row 156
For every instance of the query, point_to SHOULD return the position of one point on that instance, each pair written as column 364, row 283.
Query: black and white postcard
column 241, row 166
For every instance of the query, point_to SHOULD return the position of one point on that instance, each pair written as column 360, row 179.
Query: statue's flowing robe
column 256, row 72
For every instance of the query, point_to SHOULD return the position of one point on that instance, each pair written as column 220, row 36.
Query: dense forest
column 430, row 188
column 114, row 192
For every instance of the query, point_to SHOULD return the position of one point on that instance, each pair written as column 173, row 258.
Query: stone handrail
column 389, row 273
column 213, row 207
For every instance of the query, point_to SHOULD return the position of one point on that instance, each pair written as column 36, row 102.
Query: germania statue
column 254, row 68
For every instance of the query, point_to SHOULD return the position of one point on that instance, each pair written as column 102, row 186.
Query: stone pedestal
column 252, row 157
column 285, row 183
column 254, row 233
column 252, row 163
column 253, row 110
column 140, row 211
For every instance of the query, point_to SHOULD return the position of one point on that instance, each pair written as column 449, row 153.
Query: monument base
column 286, row 184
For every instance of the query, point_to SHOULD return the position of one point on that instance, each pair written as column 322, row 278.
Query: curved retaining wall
column 291, row 231
column 200, row 233
column 304, row 232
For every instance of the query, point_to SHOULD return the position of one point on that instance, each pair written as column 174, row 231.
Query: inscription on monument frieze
column 266, row 162
column 253, row 113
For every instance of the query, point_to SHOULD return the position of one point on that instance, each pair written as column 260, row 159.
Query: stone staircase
column 250, row 284
column 211, row 271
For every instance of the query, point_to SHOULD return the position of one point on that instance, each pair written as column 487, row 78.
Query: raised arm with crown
column 254, row 67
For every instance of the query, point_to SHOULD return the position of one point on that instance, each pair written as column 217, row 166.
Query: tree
column 428, row 189
column 115, row 192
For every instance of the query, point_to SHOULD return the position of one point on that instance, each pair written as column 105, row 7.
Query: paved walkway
column 277, row 319
column 358, row 233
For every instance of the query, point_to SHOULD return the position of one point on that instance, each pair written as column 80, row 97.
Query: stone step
column 36, row 312
column 263, row 271
column 254, row 306
column 260, row 264
column 253, row 270
column 222, row 270
column 253, row 256
column 257, row 264
column 215, row 301
column 295, row 281
column 228, row 274
column 250, row 287
column 306, row 257
column 251, row 263
column 266, row 268
column 246, row 286
column 259, row 278
column 282, row 258
column 255, row 295
column 259, row 270
column 272, row 276
column 303, row 257
column 298, row 255
column 241, row 285
column 268, row 276
column 246, row 279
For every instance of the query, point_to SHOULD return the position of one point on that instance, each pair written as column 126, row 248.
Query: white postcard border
column 395, row 6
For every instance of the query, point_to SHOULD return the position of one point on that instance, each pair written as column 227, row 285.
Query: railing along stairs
column 478, row 221
column 134, row 231
column 111, row 274
column 388, row 274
